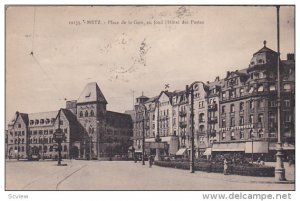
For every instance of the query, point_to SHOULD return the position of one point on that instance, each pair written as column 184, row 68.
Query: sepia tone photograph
column 150, row 98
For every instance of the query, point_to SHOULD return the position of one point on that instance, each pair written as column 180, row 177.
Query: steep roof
column 91, row 93
column 42, row 115
column 117, row 119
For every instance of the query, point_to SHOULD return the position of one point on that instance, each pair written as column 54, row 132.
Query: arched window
column 201, row 128
column 251, row 134
column 92, row 113
column 260, row 133
column 86, row 113
column 80, row 114
column 37, row 121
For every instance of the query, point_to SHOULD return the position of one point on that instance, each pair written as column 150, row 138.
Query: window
column 47, row 121
column 86, row 113
column 260, row 133
column 201, row 128
column 242, row 106
column 272, row 104
column 241, row 121
column 251, row 104
column 232, row 135
column 287, row 117
column 251, row 134
column 42, row 121
column 232, row 108
column 37, row 121
column 251, row 89
column 286, row 87
column 260, row 118
column 23, row 133
column 50, row 131
column 45, row 132
column 23, row 141
column 242, row 134
column 31, row 122
column 272, row 87
column 286, row 103
column 260, row 103
column 223, row 109
column 231, row 94
column 153, row 117
column 92, row 113
column 251, row 120
column 232, row 121
column 51, row 148
column 19, row 125
column 223, row 95
column 260, row 88
column 80, row 114
column 65, row 148
column 40, row 132
column 223, row 136
column 201, row 117
column 241, row 91
column 65, row 130
column 223, row 123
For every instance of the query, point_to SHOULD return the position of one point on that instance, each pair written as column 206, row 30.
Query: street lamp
column 279, row 169
column 190, row 90
column 98, row 139
column 143, row 140
column 18, row 156
column 59, row 136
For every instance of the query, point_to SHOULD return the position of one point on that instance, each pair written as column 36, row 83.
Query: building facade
column 91, row 131
column 235, row 114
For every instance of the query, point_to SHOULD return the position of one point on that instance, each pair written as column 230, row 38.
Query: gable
column 91, row 93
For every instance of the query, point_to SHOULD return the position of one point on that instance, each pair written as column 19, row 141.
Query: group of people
column 150, row 159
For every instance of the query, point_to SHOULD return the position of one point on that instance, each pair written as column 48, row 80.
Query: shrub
column 246, row 170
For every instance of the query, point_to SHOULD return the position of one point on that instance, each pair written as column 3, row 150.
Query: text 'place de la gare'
column 233, row 114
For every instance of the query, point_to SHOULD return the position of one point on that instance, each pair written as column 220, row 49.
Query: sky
column 52, row 52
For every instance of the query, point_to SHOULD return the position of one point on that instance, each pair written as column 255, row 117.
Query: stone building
column 236, row 114
column 248, row 106
column 91, row 131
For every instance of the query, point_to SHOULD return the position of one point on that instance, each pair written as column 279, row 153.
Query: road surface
column 125, row 175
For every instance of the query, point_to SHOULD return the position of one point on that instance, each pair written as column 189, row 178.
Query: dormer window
column 47, row 121
column 260, row 61
column 251, row 89
column 31, row 122
column 42, row 121
column 88, row 95
column 37, row 121
column 260, row 88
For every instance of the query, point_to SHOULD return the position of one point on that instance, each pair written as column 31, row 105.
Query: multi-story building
column 248, row 105
column 91, row 131
column 234, row 114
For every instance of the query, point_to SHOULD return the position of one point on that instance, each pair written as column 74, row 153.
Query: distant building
column 91, row 131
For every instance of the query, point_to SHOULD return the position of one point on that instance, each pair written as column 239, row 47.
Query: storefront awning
column 181, row 152
column 240, row 146
column 257, row 147
column 138, row 151
column 207, row 152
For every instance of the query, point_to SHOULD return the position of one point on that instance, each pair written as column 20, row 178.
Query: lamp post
column 143, row 140
column 98, row 139
column 59, row 136
column 190, row 90
column 18, row 156
column 279, row 169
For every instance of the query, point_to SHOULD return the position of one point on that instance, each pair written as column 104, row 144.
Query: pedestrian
column 150, row 161
column 225, row 167
column 135, row 158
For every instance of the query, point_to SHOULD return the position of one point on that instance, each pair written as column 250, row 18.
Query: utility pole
column 190, row 90
column 279, row 169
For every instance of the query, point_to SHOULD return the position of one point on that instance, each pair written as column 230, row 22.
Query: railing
column 213, row 106
column 182, row 113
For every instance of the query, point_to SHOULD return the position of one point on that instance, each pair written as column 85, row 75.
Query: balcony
column 212, row 133
column 182, row 113
column 182, row 124
column 212, row 107
column 212, row 120
column 201, row 133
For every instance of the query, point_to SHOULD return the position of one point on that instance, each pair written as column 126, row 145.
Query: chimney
column 207, row 82
column 290, row 57
column 228, row 73
column 217, row 78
